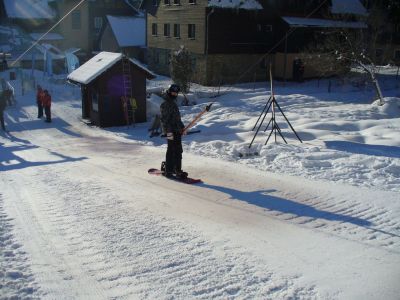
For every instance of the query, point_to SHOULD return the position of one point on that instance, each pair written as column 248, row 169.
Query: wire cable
column 36, row 42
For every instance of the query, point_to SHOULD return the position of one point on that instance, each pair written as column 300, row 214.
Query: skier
column 173, row 128
column 46, row 99
column 3, row 105
column 39, row 101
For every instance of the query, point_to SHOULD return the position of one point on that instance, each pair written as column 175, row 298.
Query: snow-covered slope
column 82, row 219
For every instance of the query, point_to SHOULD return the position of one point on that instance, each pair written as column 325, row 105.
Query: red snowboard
column 187, row 180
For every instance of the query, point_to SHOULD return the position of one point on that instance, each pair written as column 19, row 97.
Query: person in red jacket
column 39, row 101
column 46, row 100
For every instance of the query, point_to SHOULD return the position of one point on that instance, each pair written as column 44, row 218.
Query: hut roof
column 100, row 63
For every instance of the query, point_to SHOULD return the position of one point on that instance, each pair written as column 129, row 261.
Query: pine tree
column 181, row 68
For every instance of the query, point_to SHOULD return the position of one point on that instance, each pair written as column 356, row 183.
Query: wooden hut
column 104, row 80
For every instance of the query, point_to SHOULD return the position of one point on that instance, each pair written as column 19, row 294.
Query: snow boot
column 181, row 174
column 164, row 172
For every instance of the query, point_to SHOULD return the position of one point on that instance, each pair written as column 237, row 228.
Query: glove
column 170, row 136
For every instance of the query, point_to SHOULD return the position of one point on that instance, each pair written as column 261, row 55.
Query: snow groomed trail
column 82, row 219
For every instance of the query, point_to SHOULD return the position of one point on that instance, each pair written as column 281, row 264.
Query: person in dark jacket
column 173, row 128
column 3, row 105
column 39, row 101
column 46, row 100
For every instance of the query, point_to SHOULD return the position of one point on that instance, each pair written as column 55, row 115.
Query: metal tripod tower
column 272, row 105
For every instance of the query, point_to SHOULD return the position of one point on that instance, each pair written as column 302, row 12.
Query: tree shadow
column 286, row 206
column 10, row 160
column 17, row 123
column 366, row 149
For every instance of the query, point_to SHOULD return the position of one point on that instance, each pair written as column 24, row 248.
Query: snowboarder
column 39, row 101
column 46, row 100
column 173, row 128
column 3, row 105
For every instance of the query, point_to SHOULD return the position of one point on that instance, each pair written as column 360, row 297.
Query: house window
column 167, row 32
column 167, row 2
column 156, row 57
column 192, row 31
column 98, row 22
column 378, row 53
column 177, row 2
column 264, row 28
column 76, row 19
column 396, row 55
column 192, row 1
column 177, row 31
column 193, row 63
column 154, row 29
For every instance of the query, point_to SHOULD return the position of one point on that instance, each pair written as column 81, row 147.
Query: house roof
column 323, row 23
column 348, row 7
column 28, row 9
column 128, row 31
column 243, row 4
column 100, row 63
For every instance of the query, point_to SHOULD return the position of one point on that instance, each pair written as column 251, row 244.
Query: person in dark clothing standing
column 39, row 101
column 46, row 100
column 173, row 128
column 3, row 105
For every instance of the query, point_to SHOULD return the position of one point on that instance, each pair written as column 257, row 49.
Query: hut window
column 192, row 1
column 167, row 2
column 177, row 2
column 95, row 101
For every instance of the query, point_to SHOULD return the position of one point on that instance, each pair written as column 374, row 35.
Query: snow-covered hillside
column 80, row 218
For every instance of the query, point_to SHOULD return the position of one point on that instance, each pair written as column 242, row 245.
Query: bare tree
column 338, row 52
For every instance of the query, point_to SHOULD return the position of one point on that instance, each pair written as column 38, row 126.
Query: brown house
column 103, row 84
column 83, row 26
column 229, row 40
column 116, row 38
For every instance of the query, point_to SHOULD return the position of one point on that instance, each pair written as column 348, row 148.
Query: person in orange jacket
column 46, row 100
column 39, row 101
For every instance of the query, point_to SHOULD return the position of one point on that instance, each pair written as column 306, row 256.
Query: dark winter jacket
column 170, row 115
column 3, row 102
column 46, row 100
column 39, row 96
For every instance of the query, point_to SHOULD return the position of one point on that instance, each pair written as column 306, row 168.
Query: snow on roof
column 129, row 31
column 28, row 9
column 325, row 23
column 94, row 67
column 51, row 36
column 348, row 7
column 98, row 65
column 141, row 66
column 243, row 4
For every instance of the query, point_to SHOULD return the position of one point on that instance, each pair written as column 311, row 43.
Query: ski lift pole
column 199, row 115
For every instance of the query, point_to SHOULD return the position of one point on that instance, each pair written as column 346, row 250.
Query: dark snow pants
column 47, row 111
column 173, row 160
column 40, row 110
column 2, row 120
